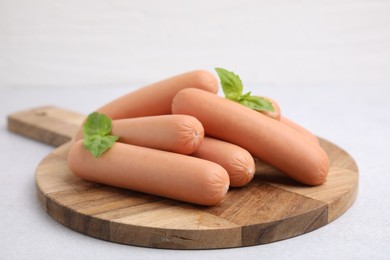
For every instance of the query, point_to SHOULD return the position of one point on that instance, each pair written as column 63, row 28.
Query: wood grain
column 271, row 208
column 46, row 124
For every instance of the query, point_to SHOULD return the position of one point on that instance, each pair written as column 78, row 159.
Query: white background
column 327, row 63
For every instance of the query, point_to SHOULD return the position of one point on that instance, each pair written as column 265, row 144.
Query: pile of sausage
column 178, row 139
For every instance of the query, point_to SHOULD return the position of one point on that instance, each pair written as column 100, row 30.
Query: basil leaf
column 97, row 138
column 231, row 84
column 97, row 124
column 97, row 144
column 232, row 88
column 256, row 103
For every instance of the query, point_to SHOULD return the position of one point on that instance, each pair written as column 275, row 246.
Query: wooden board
column 271, row 208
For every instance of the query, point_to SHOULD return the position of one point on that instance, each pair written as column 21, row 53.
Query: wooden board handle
column 48, row 124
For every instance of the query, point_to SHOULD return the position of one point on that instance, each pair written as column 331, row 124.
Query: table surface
column 327, row 64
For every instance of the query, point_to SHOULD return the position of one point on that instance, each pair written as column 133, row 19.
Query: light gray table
column 326, row 63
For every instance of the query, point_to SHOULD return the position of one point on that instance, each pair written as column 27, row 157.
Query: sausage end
column 242, row 169
column 191, row 135
column 207, row 80
column 217, row 185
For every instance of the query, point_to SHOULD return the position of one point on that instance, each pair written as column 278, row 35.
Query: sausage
column 238, row 162
column 156, row 172
column 175, row 133
column 276, row 114
column 299, row 129
column 265, row 138
column 156, row 99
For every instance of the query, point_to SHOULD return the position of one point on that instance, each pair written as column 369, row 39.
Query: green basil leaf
column 97, row 144
column 256, row 103
column 97, row 138
column 97, row 124
column 231, row 84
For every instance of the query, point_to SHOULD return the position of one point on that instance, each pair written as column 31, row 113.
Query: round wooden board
column 271, row 208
